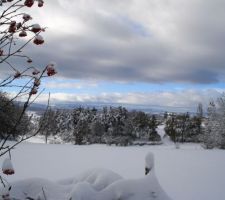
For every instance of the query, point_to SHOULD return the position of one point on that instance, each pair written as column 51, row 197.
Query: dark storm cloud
column 144, row 41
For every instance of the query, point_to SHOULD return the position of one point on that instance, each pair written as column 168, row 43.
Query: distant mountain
column 156, row 109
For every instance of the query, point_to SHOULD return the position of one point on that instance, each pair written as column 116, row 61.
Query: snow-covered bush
column 214, row 134
column 94, row 184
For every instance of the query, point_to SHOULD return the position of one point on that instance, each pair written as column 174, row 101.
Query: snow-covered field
column 186, row 173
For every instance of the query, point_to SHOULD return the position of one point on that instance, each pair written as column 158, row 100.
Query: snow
column 7, row 165
column 98, row 184
column 36, row 26
column 41, row 139
column 4, row 193
column 98, row 178
column 186, row 173
column 39, row 37
column 164, row 137
column 149, row 160
column 37, row 139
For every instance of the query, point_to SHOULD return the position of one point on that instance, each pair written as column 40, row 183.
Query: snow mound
column 146, row 188
column 83, row 191
column 95, row 184
column 149, row 160
column 35, row 187
column 98, row 178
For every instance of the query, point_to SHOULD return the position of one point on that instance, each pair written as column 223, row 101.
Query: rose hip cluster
column 22, row 28
column 7, row 167
column 49, row 70
column 30, row 3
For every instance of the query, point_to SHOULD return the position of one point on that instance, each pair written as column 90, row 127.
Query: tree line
column 108, row 125
column 117, row 125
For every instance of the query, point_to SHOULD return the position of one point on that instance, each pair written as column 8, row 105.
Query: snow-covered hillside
column 186, row 173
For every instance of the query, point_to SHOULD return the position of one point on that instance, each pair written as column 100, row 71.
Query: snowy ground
column 186, row 173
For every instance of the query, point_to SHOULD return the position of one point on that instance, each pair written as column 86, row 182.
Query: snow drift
column 96, row 184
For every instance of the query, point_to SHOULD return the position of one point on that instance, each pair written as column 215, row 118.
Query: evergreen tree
column 170, row 128
column 221, row 122
column 82, row 119
column 48, row 124
column 183, row 127
column 153, row 135
column 211, row 127
column 199, row 118
column 9, row 115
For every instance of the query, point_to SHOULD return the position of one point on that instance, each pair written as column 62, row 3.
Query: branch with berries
column 16, row 32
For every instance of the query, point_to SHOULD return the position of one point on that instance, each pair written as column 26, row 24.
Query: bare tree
column 16, row 32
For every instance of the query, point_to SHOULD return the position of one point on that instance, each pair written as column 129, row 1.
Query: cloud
column 178, row 41
column 68, row 84
column 159, row 98
column 158, row 41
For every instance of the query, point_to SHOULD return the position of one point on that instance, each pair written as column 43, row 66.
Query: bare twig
column 10, row 7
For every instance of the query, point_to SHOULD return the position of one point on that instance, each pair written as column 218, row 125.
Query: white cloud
column 184, row 98
column 138, row 40
column 153, row 41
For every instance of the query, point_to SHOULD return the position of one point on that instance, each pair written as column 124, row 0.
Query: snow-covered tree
column 199, row 119
column 221, row 122
column 153, row 135
column 48, row 124
column 170, row 127
column 182, row 128
column 65, row 125
column 211, row 130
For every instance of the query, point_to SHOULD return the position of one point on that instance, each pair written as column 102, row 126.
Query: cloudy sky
column 151, row 52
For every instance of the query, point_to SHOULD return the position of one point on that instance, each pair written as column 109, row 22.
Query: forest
column 119, row 126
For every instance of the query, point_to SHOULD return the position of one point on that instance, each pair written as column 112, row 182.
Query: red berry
column 1, row 52
column 38, row 40
column 36, row 28
column 17, row 74
column 29, row 60
column 12, row 27
column 35, row 72
column 29, row 3
column 33, row 91
column 51, row 72
column 40, row 3
column 22, row 34
column 8, row 171
column 26, row 17
column 7, row 167
column 37, row 82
